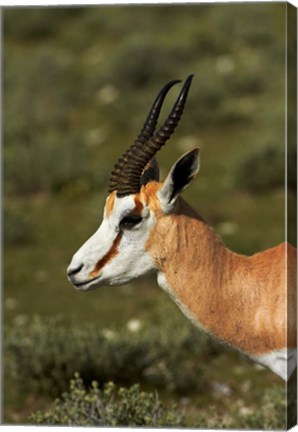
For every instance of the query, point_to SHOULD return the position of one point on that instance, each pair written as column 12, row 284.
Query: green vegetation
column 78, row 83
column 271, row 415
column 17, row 227
column 108, row 407
column 133, row 407
column 268, row 168
column 43, row 355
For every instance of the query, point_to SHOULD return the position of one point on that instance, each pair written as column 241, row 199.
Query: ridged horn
column 146, row 133
column 128, row 170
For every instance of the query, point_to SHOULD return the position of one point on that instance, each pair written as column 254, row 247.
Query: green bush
column 262, row 170
column 43, row 356
column 108, row 407
column 50, row 163
column 32, row 23
column 17, row 228
column 44, row 149
column 132, row 407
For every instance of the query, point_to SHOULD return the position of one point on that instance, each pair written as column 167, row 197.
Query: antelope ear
column 150, row 172
column 179, row 177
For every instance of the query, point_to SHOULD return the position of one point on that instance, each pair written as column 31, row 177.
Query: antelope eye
column 130, row 221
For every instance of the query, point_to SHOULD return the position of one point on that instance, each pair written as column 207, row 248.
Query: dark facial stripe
column 107, row 257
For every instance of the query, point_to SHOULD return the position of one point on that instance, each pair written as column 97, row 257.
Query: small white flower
column 96, row 136
column 10, row 303
column 108, row 334
column 21, row 320
column 225, row 65
column 244, row 410
column 107, row 94
column 239, row 370
column 221, row 389
column 246, row 386
column 134, row 325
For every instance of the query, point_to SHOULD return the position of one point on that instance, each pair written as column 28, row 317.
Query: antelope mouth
column 87, row 285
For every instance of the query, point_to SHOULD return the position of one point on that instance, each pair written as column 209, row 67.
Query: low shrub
column 112, row 406
column 35, row 23
column 45, row 147
column 17, row 228
column 52, row 163
column 263, row 169
column 108, row 407
column 43, row 356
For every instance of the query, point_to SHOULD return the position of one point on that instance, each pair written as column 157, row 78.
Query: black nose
column 73, row 271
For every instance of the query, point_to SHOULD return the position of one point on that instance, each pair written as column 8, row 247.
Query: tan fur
column 148, row 196
column 139, row 205
column 240, row 300
column 110, row 203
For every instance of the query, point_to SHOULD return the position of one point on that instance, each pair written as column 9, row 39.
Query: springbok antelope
column 247, row 302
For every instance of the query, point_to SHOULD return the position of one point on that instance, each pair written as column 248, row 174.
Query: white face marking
column 129, row 260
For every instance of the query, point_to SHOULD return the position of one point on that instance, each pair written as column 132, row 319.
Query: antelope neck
column 217, row 288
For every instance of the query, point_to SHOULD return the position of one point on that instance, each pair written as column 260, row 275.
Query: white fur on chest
column 282, row 362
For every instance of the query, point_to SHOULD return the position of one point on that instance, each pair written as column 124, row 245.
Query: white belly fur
column 282, row 362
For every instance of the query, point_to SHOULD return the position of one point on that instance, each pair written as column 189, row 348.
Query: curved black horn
column 127, row 172
column 146, row 132
column 163, row 134
column 152, row 118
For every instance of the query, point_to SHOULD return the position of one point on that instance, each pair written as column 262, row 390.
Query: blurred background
column 78, row 83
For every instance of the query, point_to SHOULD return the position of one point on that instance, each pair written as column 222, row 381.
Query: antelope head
column 116, row 253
